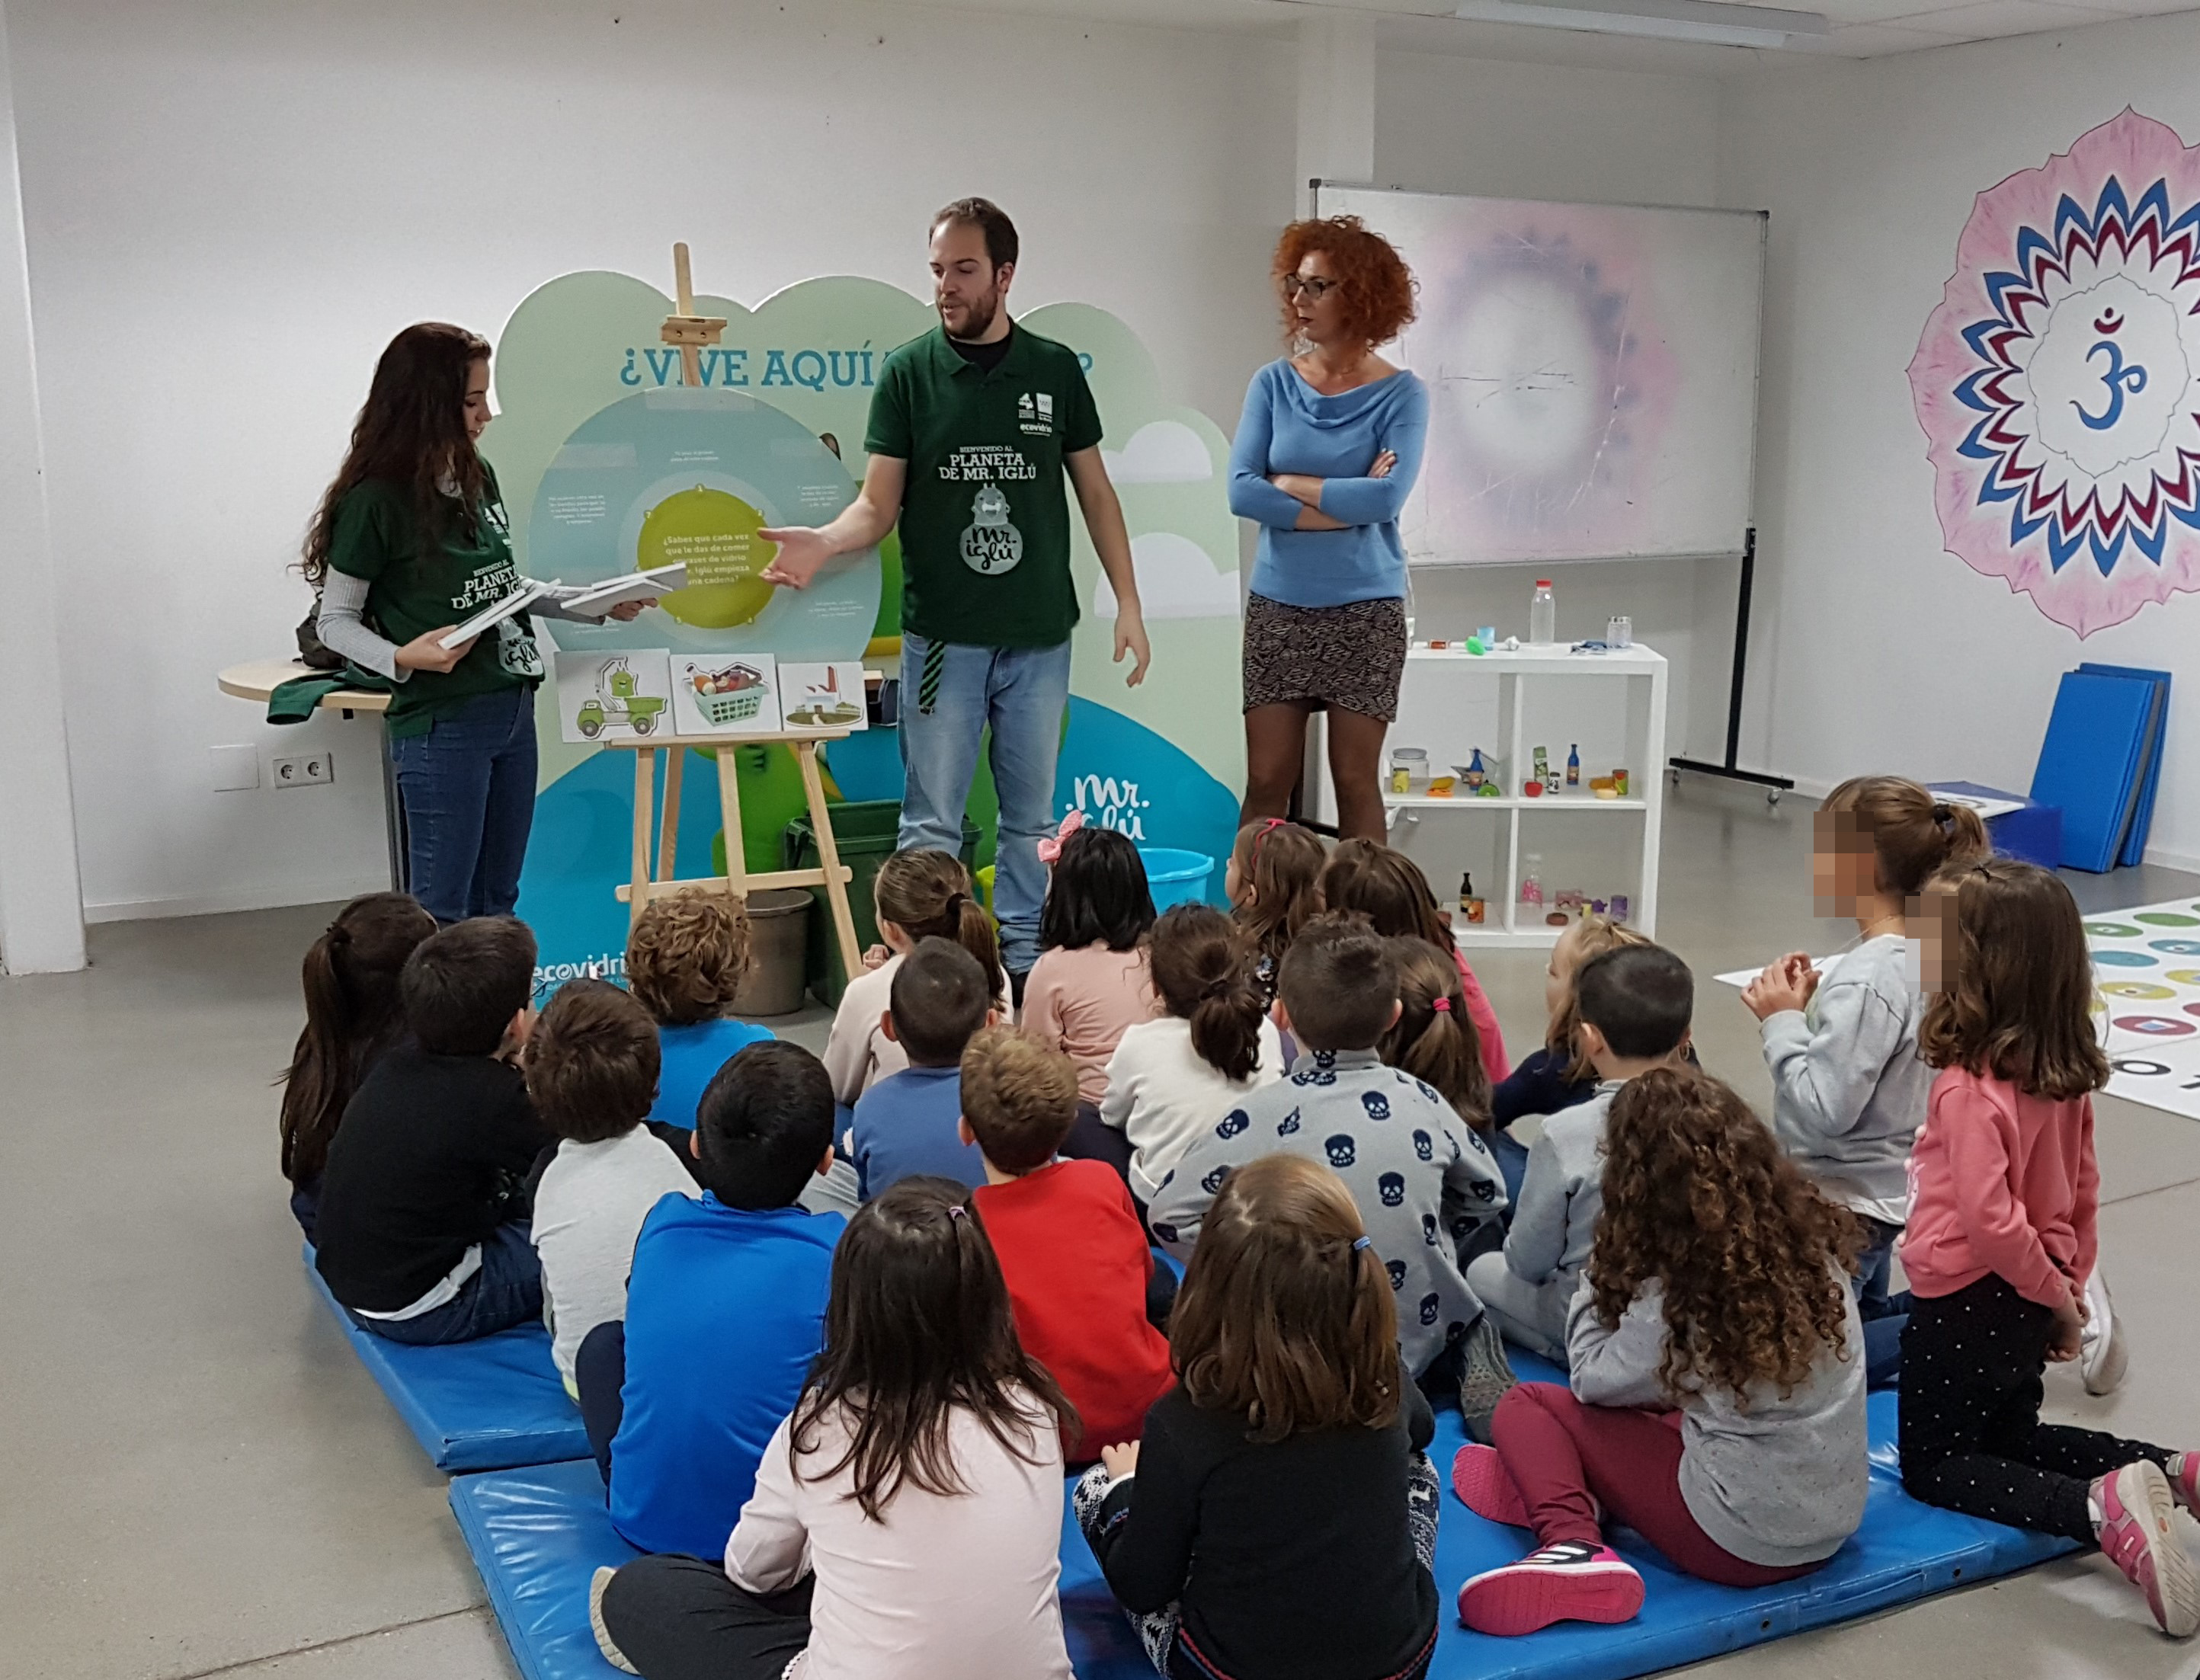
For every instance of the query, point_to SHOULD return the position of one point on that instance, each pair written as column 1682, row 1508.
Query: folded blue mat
column 538, row 1535
column 483, row 1405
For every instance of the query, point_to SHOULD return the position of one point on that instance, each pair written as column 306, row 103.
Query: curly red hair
column 1378, row 288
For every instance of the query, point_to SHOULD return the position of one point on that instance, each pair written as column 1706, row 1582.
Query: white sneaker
column 2102, row 1355
column 605, row 1643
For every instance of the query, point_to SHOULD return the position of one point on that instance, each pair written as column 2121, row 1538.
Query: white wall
column 231, row 208
column 1612, row 136
column 1881, row 652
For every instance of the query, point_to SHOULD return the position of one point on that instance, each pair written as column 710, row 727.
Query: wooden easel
column 690, row 333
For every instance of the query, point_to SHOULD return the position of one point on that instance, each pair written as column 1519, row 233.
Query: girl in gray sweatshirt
column 1718, row 1398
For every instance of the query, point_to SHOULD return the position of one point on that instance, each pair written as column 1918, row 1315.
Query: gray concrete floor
column 200, row 1478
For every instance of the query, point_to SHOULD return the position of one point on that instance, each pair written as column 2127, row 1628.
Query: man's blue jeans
column 507, row 1290
column 949, row 693
column 468, row 790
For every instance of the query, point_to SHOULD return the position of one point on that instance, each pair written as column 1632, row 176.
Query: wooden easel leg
column 667, row 825
column 828, row 853
column 645, row 792
column 729, row 810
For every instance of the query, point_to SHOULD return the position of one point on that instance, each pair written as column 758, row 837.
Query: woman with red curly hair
column 1326, row 453
column 1718, row 1399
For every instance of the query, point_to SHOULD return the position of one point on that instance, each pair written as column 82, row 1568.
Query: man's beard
column 981, row 314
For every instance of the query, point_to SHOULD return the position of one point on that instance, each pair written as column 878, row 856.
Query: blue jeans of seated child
column 950, row 691
column 507, row 1291
column 467, row 787
column 1883, row 1314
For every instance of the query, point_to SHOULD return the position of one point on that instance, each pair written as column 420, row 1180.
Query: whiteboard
column 1592, row 375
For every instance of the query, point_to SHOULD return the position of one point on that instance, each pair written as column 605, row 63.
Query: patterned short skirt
column 1350, row 657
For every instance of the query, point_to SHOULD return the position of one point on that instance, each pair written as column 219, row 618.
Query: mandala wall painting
column 2058, row 382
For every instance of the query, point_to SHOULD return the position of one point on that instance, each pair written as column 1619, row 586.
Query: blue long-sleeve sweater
column 1290, row 427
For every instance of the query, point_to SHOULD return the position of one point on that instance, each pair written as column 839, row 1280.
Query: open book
column 530, row 591
column 592, row 600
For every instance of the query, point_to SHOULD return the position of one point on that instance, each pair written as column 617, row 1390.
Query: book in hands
column 530, row 591
column 592, row 600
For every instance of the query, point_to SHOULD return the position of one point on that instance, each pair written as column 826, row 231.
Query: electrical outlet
column 236, row 769
column 304, row 770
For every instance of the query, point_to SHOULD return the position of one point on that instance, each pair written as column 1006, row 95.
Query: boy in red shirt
column 1070, row 1245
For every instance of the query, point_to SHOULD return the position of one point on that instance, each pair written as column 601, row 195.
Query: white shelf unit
column 1440, row 692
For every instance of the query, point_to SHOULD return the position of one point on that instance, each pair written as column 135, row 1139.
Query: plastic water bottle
column 1544, row 614
column 1532, row 879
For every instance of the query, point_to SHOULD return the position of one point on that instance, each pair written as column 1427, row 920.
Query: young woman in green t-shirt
column 411, row 540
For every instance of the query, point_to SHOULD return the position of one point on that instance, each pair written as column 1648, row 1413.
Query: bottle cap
column 1541, row 583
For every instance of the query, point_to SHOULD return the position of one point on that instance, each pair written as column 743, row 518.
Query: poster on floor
column 610, row 465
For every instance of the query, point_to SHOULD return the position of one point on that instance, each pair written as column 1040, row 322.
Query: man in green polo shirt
column 972, row 427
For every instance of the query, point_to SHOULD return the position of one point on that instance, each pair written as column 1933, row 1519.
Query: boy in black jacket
column 424, row 1223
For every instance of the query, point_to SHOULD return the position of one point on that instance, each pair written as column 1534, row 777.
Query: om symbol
column 2119, row 380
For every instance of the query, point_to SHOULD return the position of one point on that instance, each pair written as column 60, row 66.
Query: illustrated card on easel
column 822, row 696
column 614, row 696
column 726, row 694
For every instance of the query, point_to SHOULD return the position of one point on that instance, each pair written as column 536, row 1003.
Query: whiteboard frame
column 1316, row 185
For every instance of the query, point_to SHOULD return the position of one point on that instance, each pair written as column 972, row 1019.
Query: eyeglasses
column 1313, row 285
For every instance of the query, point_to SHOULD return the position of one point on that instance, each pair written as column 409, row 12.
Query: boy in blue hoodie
column 725, row 1309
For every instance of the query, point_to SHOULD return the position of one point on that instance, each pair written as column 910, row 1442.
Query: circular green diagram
column 692, row 477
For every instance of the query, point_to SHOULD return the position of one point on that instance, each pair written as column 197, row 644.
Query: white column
column 41, row 899
column 1336, row 99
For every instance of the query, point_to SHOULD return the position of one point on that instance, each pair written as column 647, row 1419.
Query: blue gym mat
column 485, row 1405
column 538, row 1535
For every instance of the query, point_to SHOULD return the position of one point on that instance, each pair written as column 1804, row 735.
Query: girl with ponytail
column 1848, row 1087
column 1091, row 980
column 919, row 894
column 1433, row 1038
column 1290, row 1459
column 352, row 1016
column 1171, row 1079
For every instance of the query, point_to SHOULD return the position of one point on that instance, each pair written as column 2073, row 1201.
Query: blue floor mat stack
column 485, row 1405
column 537, row 1534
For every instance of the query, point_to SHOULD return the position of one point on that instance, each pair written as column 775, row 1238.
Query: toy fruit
column 1441, row 787
column 1532, row 790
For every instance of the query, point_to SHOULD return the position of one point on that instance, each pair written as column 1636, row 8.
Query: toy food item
column 1532, row 790
column 1441, row 787
column 1619, row 782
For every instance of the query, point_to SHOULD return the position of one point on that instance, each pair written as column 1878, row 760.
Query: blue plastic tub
column 1176, row 877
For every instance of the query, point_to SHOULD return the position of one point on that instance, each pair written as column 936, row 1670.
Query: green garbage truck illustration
column 616, row 703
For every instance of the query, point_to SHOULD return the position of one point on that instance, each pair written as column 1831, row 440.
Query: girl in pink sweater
column 2001, row 1240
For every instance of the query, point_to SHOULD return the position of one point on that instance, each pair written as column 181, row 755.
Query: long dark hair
column 2014, row 998
column 352, row 1014
column 1098, row 895
column 1203, row 967
column 1433, row 1038
column 918, row 1327
column 1387, row 889
column 410, row 433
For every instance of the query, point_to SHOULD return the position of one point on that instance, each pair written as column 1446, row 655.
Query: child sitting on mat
column 1171, row 1079
column 1421, row 1178
column 352, row 1016
column 1848, row 1088
column 1632, row 1006
column 910, row 1122
column 919, row 894
column 1280, row 1516
column 1555, row 1074
column 1389, row 889
column 1080, row 1275
column 1717, row 1404
column 685, row 962
column 907, row 1517
column 422, row 1229
column 1273, row 883
column 1091, row 980
column 1433, row 1038
column 2001, row 1240
column 724, row 1311
column 591, row 1065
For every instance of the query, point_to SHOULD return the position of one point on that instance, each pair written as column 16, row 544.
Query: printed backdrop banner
column 609, row 465
column 2058, row 382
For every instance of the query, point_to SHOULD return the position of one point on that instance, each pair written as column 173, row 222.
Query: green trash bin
column 865, row 830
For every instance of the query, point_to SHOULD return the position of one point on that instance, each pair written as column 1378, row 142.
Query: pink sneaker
column 1573, row 1581
column 2135, row 1535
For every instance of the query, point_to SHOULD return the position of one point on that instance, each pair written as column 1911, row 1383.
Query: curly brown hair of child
column 1698, row 1199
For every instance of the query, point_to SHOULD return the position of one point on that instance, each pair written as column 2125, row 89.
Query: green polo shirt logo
column 984, row 516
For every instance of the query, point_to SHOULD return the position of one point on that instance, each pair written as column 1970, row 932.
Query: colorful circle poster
column 2058, row 382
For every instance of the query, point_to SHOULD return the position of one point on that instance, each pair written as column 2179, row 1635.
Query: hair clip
column 1441, row 1005
column 1358, row 1243
column 1050, row 851
column 954, row 1210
